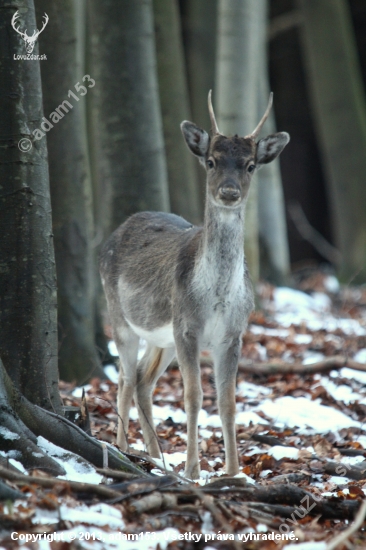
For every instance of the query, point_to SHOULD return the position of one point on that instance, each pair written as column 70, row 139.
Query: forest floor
column 301, row 438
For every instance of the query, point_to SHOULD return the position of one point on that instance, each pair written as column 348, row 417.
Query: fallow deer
column 184, row 288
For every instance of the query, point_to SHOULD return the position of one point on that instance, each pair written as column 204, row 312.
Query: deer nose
column 229, row 191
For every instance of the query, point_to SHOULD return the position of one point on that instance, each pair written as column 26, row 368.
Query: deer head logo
column 29, row 40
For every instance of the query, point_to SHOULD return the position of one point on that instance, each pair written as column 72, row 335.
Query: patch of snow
column 331, row 284
column 246, row 417
column 302, row 338
column 112, row 373
column 249, row 479
column 207, row 523
column 162, row 413
column 139, row 445
column 76, row 468
column 304, row 413
column 254, row 450
column 352, row 460
column 252, row 391
column 78, row 392
column 112, row 348
column 13, row 461
column 265, row 473
column 323, row 302
column 275, row 332
column 206, row 434
column 310, row 357
column 338, row 480
column 360, row 356
column 353, row 375
column 7, row 434
column 339, row 393
column 99, row 514
column 170, row 460
column 293, row 307
column 278, row 452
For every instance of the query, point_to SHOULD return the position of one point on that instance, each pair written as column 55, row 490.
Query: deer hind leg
column 151, row 366
column 127, row 343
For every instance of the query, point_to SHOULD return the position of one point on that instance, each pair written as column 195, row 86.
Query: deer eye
column 251, row 168
column 210, row 163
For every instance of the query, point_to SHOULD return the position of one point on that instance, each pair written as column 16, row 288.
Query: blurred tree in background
column 71, row 189
column 119, row 149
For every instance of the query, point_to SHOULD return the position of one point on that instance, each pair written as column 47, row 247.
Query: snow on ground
column 76, row 467
column 305, row 414
column 257, row 405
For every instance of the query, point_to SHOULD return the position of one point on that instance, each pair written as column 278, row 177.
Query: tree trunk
column 71, row 192
column 241, row 34
column 182, row 169
column 199, row 22
column 125, row 111
column 274, row 250
column 28, row 335
column 28, row 326
column 339, row 109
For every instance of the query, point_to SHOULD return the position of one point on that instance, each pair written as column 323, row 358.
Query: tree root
column 22, row 421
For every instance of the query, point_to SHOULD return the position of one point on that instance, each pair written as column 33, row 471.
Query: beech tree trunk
column 199, row 26
column 28, row 302
column 339, row 108
column 125, row 112
column 241, row 35
column 71, row 192
column 182, row 169
column 274, row 248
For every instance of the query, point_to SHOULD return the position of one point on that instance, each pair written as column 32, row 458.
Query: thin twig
column 344, row 536
column 310, row 234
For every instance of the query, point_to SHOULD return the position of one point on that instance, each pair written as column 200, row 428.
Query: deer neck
column 222, row 246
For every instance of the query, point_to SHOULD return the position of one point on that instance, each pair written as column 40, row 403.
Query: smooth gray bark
column 275, row 256
column 28, row 328
column 182, row 167
column 241, row 36
column 71, row 192
column 339, row 109
column 125, row 112
column 199, row 22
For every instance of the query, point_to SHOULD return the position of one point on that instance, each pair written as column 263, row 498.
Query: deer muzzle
column 229, row 192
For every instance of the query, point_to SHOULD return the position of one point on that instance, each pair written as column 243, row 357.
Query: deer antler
column 13, row 21
column 256, row 131
column 215, row 128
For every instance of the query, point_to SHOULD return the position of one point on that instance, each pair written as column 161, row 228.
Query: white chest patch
column 161, row 337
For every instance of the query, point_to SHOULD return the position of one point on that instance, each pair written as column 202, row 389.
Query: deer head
column 230, row 162
column 29, row 40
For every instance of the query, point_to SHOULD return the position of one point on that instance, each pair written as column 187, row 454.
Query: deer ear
column 270, row 147
column 197, row 140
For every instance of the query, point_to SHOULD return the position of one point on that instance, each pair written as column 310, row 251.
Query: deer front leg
column 188, row 359
column 226, row 365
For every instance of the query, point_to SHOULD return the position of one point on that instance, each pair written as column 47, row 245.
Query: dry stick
column 335, row 362
column 209, row 504
column 116, row 474
column 50, row 482
column 342, row 537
